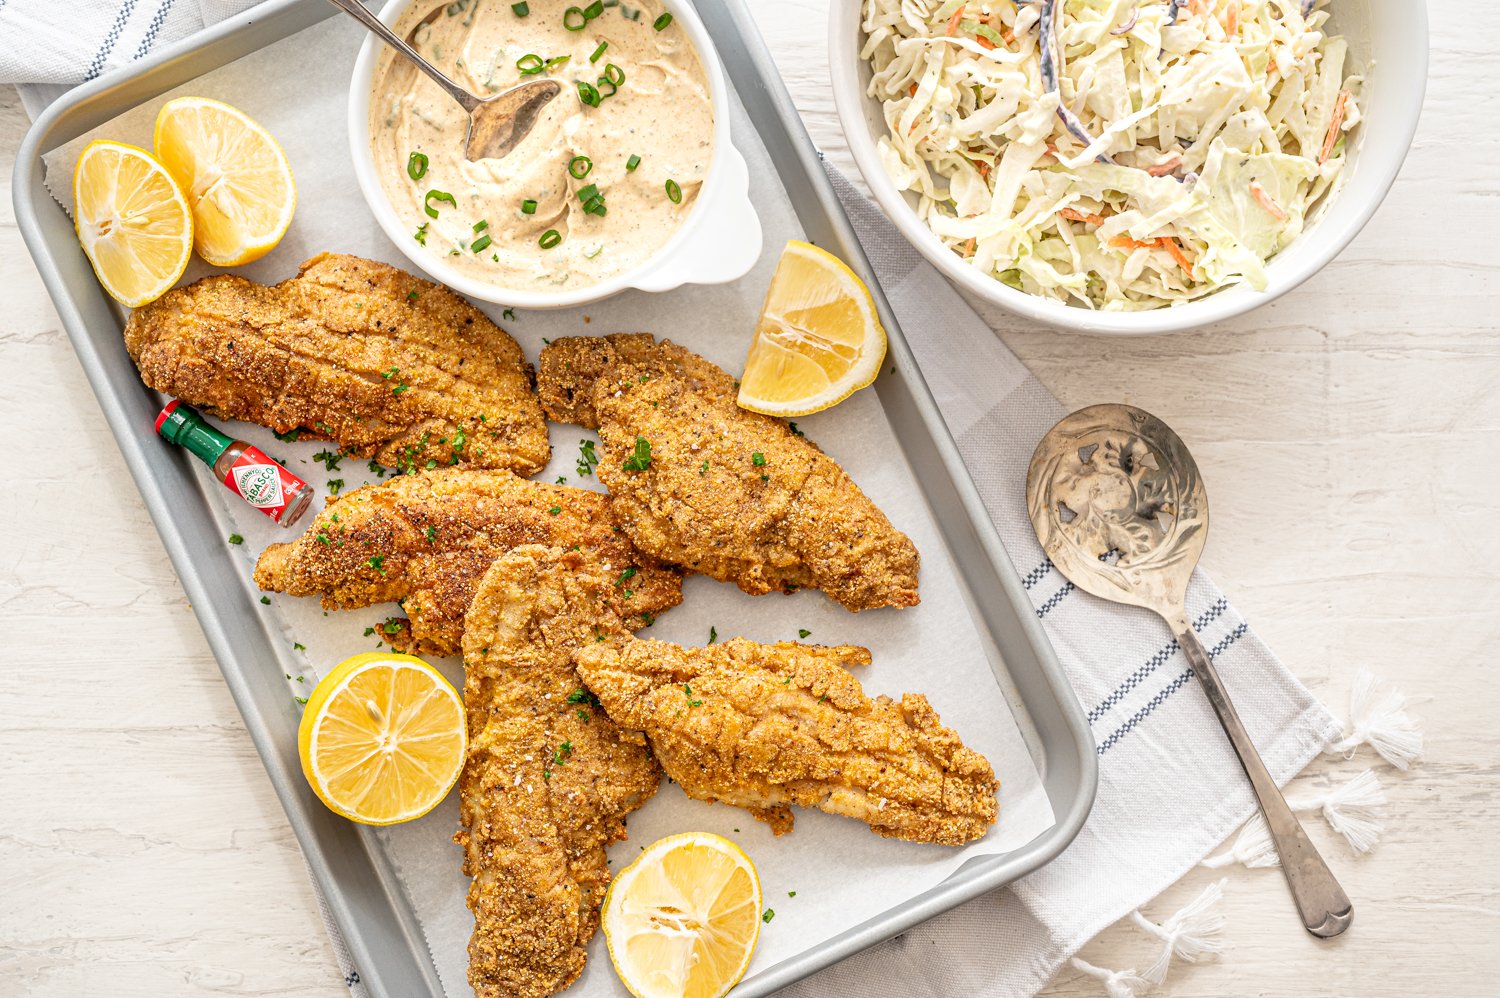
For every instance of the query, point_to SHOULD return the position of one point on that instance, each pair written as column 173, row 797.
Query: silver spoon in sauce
column 1120, row 509
column 496, row 124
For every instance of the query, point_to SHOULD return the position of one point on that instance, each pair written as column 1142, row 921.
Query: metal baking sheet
column 348, row 862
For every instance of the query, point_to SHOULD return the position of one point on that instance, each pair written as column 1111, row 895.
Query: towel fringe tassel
column 1191, row 934
column 1378, row 719
column 1117, row 983
column 1348, row 808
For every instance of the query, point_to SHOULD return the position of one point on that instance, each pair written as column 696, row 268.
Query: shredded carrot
column 1172, row 247
column 953, row 21
column 970, row 246
column 1051, row 149
column 1167, row 166
column 912, row 90
column 1259, row 193
column 1340, row 108
column 1125, row 242
column 1075, row 215
column 984, row 170
column 985, row 42
column 1232, row 18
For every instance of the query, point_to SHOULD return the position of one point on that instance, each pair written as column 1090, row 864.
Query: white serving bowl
column 718, row 242
column 1387, row 41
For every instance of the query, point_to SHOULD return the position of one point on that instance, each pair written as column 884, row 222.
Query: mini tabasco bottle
column 245, row 470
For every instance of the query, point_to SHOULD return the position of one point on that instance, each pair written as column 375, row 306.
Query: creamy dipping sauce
column 593, row 191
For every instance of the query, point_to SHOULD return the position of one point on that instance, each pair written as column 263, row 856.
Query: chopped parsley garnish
column 562, row 479
column 323, row 538
column 791, row 894
column 758, row 459
column 388, row 375
column 420, row 236
column 703, row 470
column 335, row 485
column 236, row 539
column 377, row 562
column 392, row 625
column 555, row 510
column 431, row 534
column 795, row 432
column 265, row 601
column 803, row 632
column 625, row 576
column 560, row 756
column 369, row 631
column 660, row 24
column 414, row 295
column 330, row 458
column 299, row 646
column 588, row 459
column 769, row 913
column 291, row 437
column 398, row 389
column 583, row 696
column 508, row 314
column 640, row 459
column 713, row 634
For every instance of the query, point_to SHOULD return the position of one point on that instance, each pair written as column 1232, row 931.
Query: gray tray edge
column 375, row 917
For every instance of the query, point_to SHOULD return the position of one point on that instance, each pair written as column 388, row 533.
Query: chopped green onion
column 520, row 9
column 481, row 244
column 594, row 9
column 598, row 51
column 530, row 64
column 594, row 206
column 481, row 225
column 661, row 23
column 585, row 193
column 549, row 239
column 597, row 250
column 416, row 166
column 574, row 19
column 674, row 192
column 588, row 94
column 555, row 61
column 579, row 167
column 436, row 195
column 602, row 83
column 421, row 234
column 528, row 207
column 631, row 163
column 614, row 74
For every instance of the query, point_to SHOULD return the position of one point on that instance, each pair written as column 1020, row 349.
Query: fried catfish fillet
column 389, row 366
column 426, row 539
column 702, row 483
column 549, row 778
column 763, row 727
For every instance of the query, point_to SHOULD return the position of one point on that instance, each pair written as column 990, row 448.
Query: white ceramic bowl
column 718, row 242
column 1387, row 39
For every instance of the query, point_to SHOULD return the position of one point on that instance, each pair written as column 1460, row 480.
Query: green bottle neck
column 183, row 426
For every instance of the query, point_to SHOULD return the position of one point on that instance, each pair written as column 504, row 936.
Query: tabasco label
column 263, row 483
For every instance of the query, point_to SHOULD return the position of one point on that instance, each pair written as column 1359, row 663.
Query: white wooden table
column 1351, row 437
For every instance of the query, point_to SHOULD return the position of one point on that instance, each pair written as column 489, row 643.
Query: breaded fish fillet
column 766, row 726
column 702, row 483
column 389, row 366
column 428, row 538
column 549, row 778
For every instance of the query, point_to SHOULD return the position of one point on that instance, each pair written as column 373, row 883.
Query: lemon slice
column 132, row 220
column 818, row 340
column 683, row 919
column 234, row 174
column 383, row 738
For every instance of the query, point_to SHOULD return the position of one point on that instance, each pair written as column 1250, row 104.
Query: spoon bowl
column 496, row 124
column 1121, row 510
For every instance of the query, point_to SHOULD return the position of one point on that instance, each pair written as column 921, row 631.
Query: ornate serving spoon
column 1121, row 511
column 496, row 124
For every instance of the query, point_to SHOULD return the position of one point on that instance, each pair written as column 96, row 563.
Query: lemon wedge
column 683, row 919
column 818, row 340
column 383, row 738
column 132, row 220
column 234, row 174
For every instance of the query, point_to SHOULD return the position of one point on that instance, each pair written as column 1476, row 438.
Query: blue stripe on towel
column 115, row 30
column 1054, row 600
column 1166, row 692
column 154, row 28
column 1154, row 662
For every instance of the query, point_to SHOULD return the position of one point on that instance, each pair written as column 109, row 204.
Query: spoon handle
column 362, row 14
column 1325, row 909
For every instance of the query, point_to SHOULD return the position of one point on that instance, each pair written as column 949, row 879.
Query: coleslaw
column 1113, row 154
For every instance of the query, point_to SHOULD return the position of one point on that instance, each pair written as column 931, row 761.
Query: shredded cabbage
column 1120, row 155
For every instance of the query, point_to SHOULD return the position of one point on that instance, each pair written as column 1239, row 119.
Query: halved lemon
column 818, row 340
column 383, row 738
column 132, row 220
column 683, row 919
column 235, row 176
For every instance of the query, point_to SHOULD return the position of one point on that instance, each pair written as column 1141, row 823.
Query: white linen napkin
column 1170, row 789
